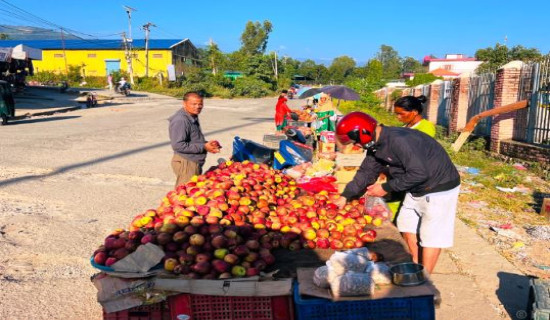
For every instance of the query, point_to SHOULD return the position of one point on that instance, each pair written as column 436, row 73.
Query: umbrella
column 338, row 92
column 302, row 90
column 341, row 92
column 310, row 92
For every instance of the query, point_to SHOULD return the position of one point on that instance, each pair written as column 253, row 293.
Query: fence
column 532, row 125
column 481, row 94
column 444, row 108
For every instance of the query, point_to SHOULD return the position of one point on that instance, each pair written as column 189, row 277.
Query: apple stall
column 248, row 241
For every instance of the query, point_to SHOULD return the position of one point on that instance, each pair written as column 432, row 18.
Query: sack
column 244, row 149
column 376, row 207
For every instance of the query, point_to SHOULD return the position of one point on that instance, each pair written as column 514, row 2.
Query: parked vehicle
column 7, row 103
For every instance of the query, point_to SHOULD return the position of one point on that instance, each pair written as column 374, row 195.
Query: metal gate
column 444, row 108
column 480, row 98
column 532, row 125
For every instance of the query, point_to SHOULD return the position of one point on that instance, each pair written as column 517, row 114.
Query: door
column 112, row 65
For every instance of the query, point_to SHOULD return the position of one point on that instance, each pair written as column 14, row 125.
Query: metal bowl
column 408, row 274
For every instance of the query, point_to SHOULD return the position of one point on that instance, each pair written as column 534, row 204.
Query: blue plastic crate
column 411, row 308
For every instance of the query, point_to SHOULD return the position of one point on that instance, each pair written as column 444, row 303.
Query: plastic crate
column 411, row 308
column 157, row 311
column 539, row 299
column 299, row 124
column 206, row 307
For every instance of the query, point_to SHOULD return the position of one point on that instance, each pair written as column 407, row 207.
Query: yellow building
column 101, row 57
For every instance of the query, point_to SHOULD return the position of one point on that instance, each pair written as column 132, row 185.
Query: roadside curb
column 45, row 113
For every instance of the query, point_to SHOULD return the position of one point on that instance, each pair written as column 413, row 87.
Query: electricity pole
column 276, row 69
column 146, row 28
column 128, row 42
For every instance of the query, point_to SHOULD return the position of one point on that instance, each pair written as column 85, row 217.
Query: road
column 67, row 180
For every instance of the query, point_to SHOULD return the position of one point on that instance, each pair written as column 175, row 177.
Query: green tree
column 497, row 56
column 215, row 58
column 391, row 62
column 375, row 72
column 341, row 68
column 254, row 37
column 260, row 67
column 421, row 78
column 4, row 36
column 411, row 65
column 308, row 68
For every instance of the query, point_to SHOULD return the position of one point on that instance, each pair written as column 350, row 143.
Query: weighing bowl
column 408, row 274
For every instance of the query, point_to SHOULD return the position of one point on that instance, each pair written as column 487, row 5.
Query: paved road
column 67, row 180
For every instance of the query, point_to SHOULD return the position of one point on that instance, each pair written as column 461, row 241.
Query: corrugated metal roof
column 99, row 44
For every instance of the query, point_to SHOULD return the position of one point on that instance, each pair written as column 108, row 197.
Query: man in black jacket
column 417, row 165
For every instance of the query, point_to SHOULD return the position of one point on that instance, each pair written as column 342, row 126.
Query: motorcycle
column 124, row 89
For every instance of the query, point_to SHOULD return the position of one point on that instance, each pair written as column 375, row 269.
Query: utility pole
column 64, row 53
column 212, row 61
column 128, row 56
column 276, row 68
column 146, row 28
column 128, row 42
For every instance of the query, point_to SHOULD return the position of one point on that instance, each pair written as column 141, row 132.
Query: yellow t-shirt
column 425, row 126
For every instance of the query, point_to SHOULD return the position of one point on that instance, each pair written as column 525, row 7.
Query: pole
column 128, row 43
column 64, row 53
column 146, row 28
column 276, row 69
column 127, row 53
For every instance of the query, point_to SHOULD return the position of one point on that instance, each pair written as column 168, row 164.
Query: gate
column 532, row 124
column 444, row 108
column 480, row 98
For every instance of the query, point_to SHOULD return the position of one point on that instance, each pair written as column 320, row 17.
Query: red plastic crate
column 206, row 307
column 157, row 311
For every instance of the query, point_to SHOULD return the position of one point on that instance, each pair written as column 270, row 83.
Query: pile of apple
column 225, row 222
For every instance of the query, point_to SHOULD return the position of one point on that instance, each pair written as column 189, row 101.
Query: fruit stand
column 236, row 242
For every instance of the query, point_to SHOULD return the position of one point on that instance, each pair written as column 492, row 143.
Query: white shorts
column 432, row 217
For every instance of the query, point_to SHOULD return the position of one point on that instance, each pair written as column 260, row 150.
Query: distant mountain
column 32, row 33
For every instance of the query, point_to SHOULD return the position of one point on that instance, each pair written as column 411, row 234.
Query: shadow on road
column 25, row 121
column 107, row 158
column 513, row 293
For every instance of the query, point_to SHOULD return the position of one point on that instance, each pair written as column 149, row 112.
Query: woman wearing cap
column 325, row 110
column 420, row 167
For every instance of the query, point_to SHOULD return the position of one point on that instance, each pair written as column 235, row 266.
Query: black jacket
column 416, row 162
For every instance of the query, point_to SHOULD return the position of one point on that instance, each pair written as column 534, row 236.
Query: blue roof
column 81, row 44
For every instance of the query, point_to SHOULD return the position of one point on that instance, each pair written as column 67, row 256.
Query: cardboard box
column 345, row 174
column 327, row 136
column 327, row 147
column 349, row 160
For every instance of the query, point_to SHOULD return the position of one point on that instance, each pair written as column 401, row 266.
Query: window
column 58, row 55
column 157, row 55
column 448, row 67
column 92, row 55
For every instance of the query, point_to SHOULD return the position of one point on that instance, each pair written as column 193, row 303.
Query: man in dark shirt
column 189, row 145
column 419, row 166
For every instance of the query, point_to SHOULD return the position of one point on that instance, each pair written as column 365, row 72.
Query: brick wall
column 525, row 151
column 506, row 92
column 459, row 104
column 433, row 102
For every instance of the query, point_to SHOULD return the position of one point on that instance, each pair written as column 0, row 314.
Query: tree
column 214, row 57
column 375, row 73
column 308, row 68
column 254, row 37
column 391, row 62
column 421, row 78
column 4, row 36
column 411, row 65
column 499, row 55
column 341, row 68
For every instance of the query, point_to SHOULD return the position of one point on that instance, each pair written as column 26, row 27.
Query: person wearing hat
column 419, row 166
column 325, row 112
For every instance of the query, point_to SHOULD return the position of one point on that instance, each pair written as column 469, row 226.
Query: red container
column 205, row 307
column 157, row 311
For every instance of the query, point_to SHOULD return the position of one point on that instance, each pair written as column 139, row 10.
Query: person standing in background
column 110, row 81
column 187, row 140
column 282, row 112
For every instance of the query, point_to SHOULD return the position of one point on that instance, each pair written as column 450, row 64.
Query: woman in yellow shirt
column 409, row 111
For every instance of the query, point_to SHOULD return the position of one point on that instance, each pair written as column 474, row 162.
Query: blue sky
column 312, row 29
